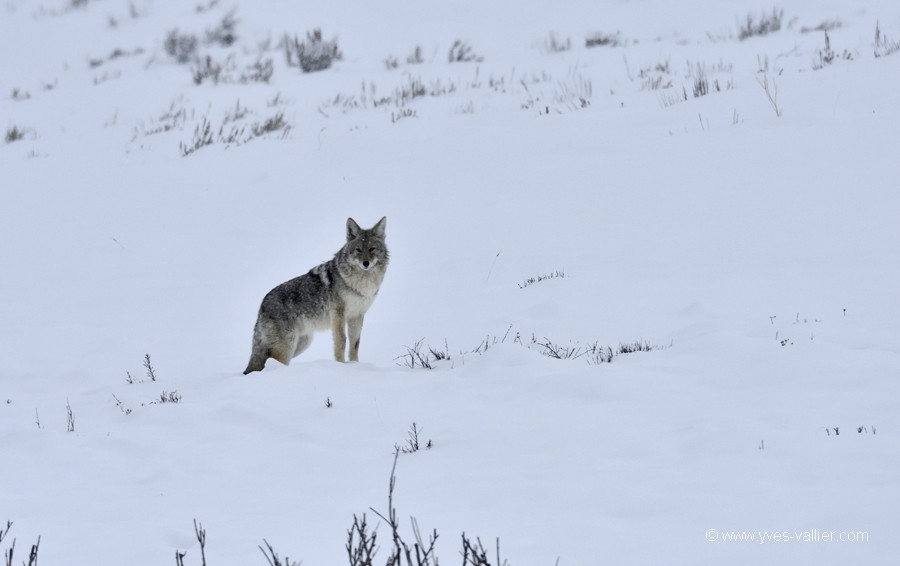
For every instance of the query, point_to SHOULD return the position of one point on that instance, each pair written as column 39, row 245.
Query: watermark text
column 766, row 537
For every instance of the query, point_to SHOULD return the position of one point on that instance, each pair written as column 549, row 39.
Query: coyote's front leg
column 337, row 331
column 354, row 326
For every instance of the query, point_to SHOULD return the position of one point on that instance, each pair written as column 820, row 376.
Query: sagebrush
column 313, row 53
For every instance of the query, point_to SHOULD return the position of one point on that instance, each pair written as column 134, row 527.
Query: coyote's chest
column 359, row 293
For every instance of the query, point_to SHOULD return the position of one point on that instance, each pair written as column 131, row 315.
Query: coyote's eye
column 371, row 250
column 358, row 250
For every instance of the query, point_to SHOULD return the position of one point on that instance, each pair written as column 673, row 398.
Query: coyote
column 335, row 294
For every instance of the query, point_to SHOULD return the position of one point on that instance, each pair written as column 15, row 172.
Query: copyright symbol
column 712, row 535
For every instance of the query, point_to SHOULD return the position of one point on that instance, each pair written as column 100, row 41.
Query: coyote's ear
column 379, row 228
column 353, row 229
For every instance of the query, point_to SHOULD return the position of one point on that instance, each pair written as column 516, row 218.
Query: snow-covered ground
column 756, row 254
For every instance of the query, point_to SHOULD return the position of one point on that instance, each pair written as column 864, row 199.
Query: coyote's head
column 365, row 249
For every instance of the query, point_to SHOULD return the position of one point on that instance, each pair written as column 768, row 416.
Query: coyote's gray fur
column 335, row 295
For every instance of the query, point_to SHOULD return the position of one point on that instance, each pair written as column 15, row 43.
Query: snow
column 756, row 253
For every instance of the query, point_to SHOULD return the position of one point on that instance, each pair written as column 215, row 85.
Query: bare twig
column 200, row 532
column 70, row 421
column 771, row 90
column 272, row 557
column 33, row 555
column 151, row 373
column 360, row 543
column 4, row 532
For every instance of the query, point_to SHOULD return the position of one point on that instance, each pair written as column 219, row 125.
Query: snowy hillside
column 713, row 186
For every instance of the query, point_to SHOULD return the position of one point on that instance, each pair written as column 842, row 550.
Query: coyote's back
column 335, row 294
